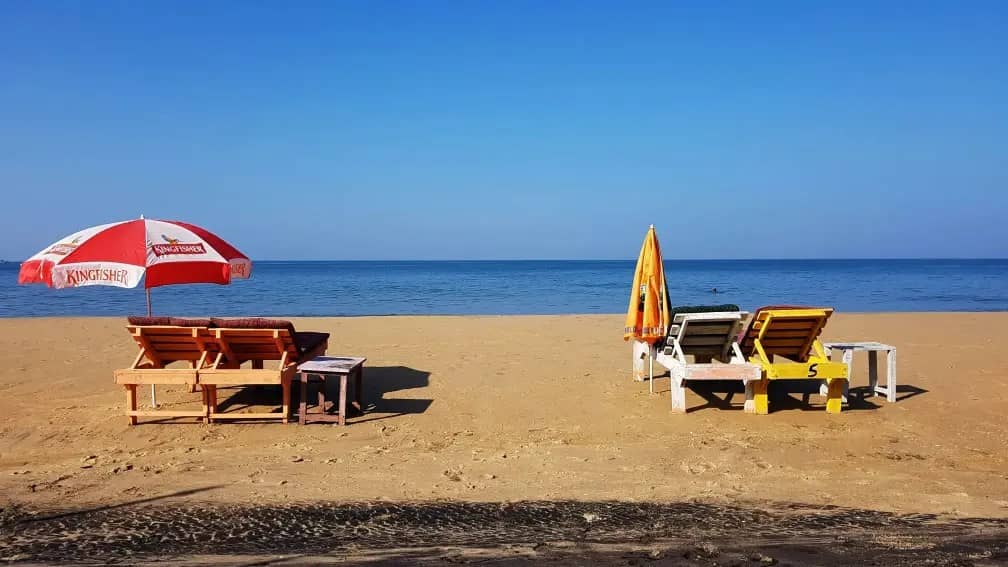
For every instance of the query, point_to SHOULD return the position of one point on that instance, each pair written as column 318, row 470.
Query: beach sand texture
column 515, row 408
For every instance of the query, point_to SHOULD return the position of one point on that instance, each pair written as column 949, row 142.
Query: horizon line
column 767, row 259
column 628, row 259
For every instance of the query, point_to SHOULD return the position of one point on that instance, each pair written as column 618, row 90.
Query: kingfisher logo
column 96, row 275
column 175, row 247
column 64, row 248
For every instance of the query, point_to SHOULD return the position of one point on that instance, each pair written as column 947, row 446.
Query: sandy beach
column 510, row 409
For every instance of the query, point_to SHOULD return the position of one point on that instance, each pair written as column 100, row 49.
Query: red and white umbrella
column 120, row 254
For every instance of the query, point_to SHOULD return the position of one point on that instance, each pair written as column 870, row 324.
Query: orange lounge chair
column 163, row 341
column 257, row 341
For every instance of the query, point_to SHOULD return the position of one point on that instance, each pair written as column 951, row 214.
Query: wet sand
column 469, row 414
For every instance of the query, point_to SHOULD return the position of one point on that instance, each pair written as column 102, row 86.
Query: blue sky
column 484, row 130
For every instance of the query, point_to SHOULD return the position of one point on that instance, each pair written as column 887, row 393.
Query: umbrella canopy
column 648, row 314
column 120, row 254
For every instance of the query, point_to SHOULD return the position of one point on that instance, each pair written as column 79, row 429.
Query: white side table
column 872, row 348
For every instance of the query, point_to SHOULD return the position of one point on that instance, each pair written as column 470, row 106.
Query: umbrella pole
column 153, row 388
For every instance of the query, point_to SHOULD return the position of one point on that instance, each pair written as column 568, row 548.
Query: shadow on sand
column 562, row 532
column 801, row 395
column 379, row 382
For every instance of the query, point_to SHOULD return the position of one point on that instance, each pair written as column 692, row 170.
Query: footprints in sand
column 697, row 532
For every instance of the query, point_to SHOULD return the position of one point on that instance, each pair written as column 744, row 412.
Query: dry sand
column 505, row 409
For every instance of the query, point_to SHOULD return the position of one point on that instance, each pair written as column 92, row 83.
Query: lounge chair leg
column 834, row 400
column 872, row 372
column 891, row 375
column 761, row 403
column 678, row 392
column 211, row 393
column 750, row 403
column 131, row 402
column 824, row 391
column 303, row 401
column 286, row 385
column 342, row 399
column 195, row 366
column 206, row 404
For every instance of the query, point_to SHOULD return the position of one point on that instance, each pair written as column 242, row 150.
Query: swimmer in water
column 713, row 290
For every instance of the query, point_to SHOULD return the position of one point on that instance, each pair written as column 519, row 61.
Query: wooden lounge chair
column 257, row 341
column 792, row 333
column 710, row 338
column 162, row 341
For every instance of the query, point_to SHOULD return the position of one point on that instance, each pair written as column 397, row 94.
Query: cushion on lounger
column 253, row 323
column 148, row 321
column 683, row 309
column 305, row 341
column 190, row 322
column 309, row 340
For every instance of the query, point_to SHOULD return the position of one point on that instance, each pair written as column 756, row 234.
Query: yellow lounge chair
column 791, row 333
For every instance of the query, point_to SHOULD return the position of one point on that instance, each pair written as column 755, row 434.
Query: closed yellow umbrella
column 648, row 313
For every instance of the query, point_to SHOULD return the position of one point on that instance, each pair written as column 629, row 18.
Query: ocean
column 323, row 288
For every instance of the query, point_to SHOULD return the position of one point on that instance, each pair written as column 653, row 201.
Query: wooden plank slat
column 163, row 350
column 159, row 378
column 260, row 333
column 171, row 340
column 277, row 415
column 773, row 344
column 221, row 378
column 788, row 323
column 786, row 334
column 722, row 372
column 241, row 339
column 256, row 355
column 703, row 340
column 708, row 329
column 166, row 331
column 165, row 413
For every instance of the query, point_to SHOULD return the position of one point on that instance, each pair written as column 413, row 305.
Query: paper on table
column 330, row 364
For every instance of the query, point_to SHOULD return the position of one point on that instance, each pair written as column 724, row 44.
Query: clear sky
column 485, row 130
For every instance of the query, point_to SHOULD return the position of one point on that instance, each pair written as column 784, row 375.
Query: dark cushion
column 253, row 323
column 148, row 321
column 304, row 341
column 190, row 322
column 309, row 340
column 682, row 309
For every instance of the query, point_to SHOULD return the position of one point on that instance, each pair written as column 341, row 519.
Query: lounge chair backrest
column 239, row 345
column 163, row 344
column 707, row 333
column 785, row 331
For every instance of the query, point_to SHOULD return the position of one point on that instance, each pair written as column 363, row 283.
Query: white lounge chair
column 710, row 338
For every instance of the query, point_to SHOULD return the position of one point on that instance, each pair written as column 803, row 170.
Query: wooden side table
column 322, row 368
column 872, row 348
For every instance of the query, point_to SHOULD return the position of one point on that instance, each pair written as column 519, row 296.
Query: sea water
column 322, row 288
